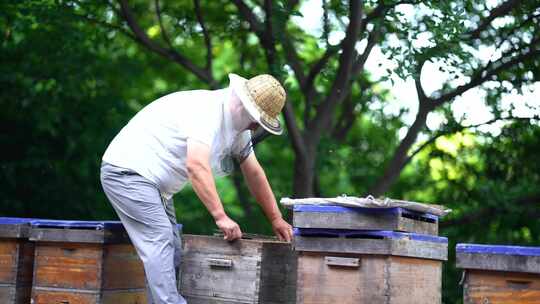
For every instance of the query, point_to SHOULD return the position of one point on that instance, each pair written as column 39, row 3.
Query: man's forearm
column 205, row 187
column 261, row 190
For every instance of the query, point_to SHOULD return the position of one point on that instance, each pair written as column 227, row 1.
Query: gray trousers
column 150, row 222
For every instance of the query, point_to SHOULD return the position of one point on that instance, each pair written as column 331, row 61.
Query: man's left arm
column 260, row 188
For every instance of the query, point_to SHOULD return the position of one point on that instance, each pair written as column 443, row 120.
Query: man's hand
column 282, row 229
column 230, row 228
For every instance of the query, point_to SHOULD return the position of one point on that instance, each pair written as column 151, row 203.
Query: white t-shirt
column 154, row 142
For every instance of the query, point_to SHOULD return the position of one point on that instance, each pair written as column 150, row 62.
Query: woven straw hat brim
column 270, row 124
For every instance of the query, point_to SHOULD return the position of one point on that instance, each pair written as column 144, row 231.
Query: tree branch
column 144, row 40
column 397, row 162
column 483, row 75
column 297, row 140
column 248, row 15
column 105, row 24
column 293, row 60
column 346, row 119
column 308, row 87
column 323, row 117
column 498, row 11
column 207, row 40
column 160, row 21
column 326, row 23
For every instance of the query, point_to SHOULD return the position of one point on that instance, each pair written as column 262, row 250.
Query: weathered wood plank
column 67, row 235
column 278, row 274
column 9, row 254
column 122, row 267
column 8, row 293
column 78, row 235
column 212, row 300
column 414, row 281
column 349, row 220
column 376, row 279
column 239, row 282
column 15, row 231
column 53, row 295
column 500, row 262
column 244, row 271
column 394, row 219
column 25, row 263
column 11, row 294
column 410, row 225
column 497, row 287
column 400, row 247
column 16, row 265
column 128, row 296
column 320, row 284
column 211, row 244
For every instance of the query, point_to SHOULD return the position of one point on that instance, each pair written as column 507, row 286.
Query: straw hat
column 263, row 97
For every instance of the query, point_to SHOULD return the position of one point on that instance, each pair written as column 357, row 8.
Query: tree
column 490, row 181
column 328, row 78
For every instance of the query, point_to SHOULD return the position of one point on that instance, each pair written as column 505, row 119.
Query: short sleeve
column 242, row 147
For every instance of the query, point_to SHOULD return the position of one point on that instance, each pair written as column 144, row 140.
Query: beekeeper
column 189, row 136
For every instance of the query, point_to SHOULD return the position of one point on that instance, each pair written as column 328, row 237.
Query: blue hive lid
column 498, row 249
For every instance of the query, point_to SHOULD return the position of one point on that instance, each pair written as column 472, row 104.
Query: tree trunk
column 304, row 174
column 399, row 160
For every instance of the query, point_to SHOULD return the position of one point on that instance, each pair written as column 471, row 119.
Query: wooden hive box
column 364, row 267
column 16, row 260
column 499, row 274
column 244, row 271
column 357, row 218
column 79, row 262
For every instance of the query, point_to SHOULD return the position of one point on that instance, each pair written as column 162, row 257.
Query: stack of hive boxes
column 499, row 274
column 16, row 260
column 85, row 262
column 367, row 255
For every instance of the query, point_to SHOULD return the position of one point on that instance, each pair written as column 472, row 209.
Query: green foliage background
column 68, row 86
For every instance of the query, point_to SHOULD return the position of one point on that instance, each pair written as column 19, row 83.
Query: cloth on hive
column 368, row 202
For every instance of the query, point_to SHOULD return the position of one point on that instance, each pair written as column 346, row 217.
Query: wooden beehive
column 499, row 274
column 347, row 266
column 356, row 218
column 244, row 271
column 85, row 263
column 16, row 261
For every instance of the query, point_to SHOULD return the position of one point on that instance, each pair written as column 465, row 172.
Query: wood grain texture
column 88, row 273
column 400, row 247
column 79, row 236
column 320, row 284
column 54, row 296
column 498, row 262
column 11, row 294
column 16, row 266
column 363, row 221
column 122, row 268
column 14, row 231
column 244, row 271
column 278, row 274
column 129, row 296
column 414, row 281
column 378, row 279
column 9, row 254
column 68, row 265
column 25, row 263
column 497, row 287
